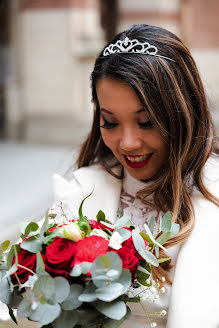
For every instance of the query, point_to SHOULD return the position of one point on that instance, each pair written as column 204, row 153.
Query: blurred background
column 47, row 51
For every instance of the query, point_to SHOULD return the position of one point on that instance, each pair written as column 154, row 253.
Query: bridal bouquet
column 79, row 272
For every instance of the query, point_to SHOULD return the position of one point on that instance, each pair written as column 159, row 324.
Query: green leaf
column 102, row 265
column 152, row 238
column 166, row 222
column 32, row 244
column 45, row 225
column 110, row 323
column 81, row 205
column 15, row 249
column 149, row 257
column 62, row 289
column 81, row 268
column 31, row 227
column 30, row 281
column 140, row 268
column 5, row 292
column 138, row 240
column 45, row 313
column 72, row 302
column 49, row 239
column 101, row 216
column 115, row 310
column 84, row 225
column 124, row 221
column 44, row 287
column 125, row 280
column 124, row 233
column 40, row 267
column 152, row 224
column 146, row 237
column 88, row 294
column 175, row 227
column 163, row 238
column 142, row 278
column 4, row 246
column 66, row 320
column 110, row 292
column 164, row 259
column 11, row 313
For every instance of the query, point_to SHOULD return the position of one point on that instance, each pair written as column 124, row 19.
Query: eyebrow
column 111, row 113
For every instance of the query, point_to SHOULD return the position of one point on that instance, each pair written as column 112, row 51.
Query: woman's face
column 127, row 131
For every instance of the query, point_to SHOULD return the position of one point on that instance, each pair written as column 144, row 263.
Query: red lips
column 137, row 165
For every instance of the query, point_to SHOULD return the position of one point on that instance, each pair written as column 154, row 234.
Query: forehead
column 117, row 94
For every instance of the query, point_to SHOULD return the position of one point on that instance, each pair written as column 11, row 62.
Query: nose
column 130, row 140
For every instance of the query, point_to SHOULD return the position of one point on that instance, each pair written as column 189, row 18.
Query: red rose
column 95, row 225
column 129, row 259
column 27, row 259
column 58, row 257
column 89, row 248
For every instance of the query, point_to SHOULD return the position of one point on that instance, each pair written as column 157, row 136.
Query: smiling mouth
column 137, row 161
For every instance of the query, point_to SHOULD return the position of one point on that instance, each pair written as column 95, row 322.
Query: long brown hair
column 172, row 93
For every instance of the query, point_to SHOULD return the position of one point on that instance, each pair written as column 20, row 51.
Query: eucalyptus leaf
column 166, row 222
column 45, row 225
column 81, row 268
column 175, row 227
column 115, row 310
column 4, row 246
column 110, row 323
column 66, row 320
column 87, row 316
column 124, row 221
column 124, row 233
column 164, row 259
column 5, row 292
column 45, row 285
column 24, row 308
column 45, row 313
column 102, row 265
column 15, row 249
column 9, row 272
column 163, row 238
column 138, row 240
column 30, row 281
column 149, row 257
column 22, row 226
column 140, row 268
column 125, row 280
column 110, row 292
column 62, row 289
column 152, row 224
column 142, row 278
column 32, row 244
column 152, row 238
column 88, row 294
column 72, row 302
column 49, row 239
column 157, row 251
column 40, row 267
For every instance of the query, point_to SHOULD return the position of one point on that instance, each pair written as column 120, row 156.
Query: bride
column 152, row 148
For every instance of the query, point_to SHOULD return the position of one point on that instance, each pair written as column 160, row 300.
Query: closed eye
column 107, row 124
column 145, row 125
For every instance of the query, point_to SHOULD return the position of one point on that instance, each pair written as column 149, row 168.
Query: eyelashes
column 109, row 125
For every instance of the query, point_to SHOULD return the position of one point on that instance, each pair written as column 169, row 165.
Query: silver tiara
column 132, row 46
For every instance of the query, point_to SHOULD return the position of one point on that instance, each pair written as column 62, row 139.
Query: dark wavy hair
column 173, row 96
